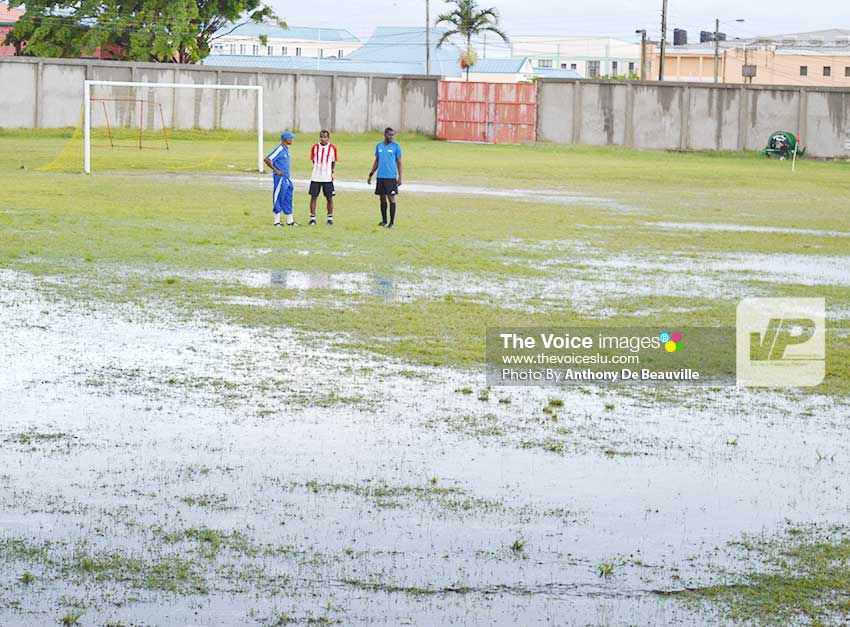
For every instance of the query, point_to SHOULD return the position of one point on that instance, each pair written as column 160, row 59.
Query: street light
column 663, row 40
column 427, row 38
column 717, row 46
column 642, row 33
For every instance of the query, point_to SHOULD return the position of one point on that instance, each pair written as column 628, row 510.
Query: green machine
column 783, row 145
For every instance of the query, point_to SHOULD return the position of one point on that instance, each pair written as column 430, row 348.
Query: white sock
column 290, row 219
column 277, row 218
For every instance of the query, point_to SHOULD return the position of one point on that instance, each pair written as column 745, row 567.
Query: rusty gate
column 500, row 113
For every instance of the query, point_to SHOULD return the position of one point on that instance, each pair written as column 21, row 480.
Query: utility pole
column 663, row 40
column 642, row 53
column 716, row 47
column 427, row 38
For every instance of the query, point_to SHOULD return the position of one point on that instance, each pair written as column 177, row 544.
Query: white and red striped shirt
column 322, row 158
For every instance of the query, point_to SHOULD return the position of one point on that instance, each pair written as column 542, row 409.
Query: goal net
column 117, row 139
column 171, row 126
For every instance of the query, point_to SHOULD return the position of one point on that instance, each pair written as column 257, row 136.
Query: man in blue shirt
column 388, row 164
column 278, row 161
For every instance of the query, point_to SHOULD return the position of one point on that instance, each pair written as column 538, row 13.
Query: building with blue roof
column 390, row 50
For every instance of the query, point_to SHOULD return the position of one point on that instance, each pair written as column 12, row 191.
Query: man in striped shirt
column 324, row 156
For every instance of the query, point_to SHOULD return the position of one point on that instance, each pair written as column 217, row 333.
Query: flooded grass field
column 208, row 421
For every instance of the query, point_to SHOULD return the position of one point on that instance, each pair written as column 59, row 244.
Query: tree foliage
column 468, row 20
column 178, row 31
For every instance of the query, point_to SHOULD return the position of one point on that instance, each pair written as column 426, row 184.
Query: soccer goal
column 110, row 106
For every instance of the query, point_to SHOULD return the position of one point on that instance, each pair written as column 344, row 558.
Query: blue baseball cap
column 287, row 135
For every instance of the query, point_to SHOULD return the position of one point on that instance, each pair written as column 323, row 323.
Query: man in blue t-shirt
column 388, row 165
column 279, row 161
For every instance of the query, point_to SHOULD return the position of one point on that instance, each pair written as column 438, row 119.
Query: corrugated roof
column 390, row 50
column 402, row 47
column 301, row 33
column 325, row 64
column 828, row 35
column 498, row 66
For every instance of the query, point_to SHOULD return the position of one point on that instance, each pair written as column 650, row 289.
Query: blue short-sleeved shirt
column 387, row 155
column 280, row 158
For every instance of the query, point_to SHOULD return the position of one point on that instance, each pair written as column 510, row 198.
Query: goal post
column 87, row 101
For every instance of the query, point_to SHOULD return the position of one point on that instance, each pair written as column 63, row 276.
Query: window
column 270, row 50
column 614, row 67
column 631, row 67
column 804, row 70
column 241, row 48
column 592, row 69
column 298, row 52
column 847, row 71
column 255, row 50
column 284, row 51
column 573, row 66
column 827, row 70
column 321, row 52
column 339, row 53
column 544, row 63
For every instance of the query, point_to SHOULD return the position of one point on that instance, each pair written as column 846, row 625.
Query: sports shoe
column 278, row 224
column 292, row 224
column 330, row 221
column 382, row 224
column 390, row 225
column 312, row 221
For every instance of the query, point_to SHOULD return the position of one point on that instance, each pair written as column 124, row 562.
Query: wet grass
column 158, row 242
column 81, row 564
column 804, row 579
column 380, row 586
column 145, row 239
column 213, row 502
column 605, row 570
column 385, row 496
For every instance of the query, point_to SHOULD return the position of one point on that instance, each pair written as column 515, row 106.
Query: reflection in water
column 294, row 280
column 382, row 286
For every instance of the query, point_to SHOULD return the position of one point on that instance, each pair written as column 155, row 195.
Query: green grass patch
column 804, row 580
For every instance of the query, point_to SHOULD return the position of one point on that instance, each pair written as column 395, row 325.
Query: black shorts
column 326, row 188
column 386, row 187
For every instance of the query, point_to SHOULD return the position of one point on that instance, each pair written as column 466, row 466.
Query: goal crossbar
column 88, row 84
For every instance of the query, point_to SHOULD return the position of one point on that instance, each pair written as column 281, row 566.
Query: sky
column 616, row 18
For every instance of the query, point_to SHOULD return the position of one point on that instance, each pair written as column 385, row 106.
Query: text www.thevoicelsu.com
column 544, row 359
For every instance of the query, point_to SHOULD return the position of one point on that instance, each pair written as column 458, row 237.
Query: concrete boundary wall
column 48, row 93
column 692, row 116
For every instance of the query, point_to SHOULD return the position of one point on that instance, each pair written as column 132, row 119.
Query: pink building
column 8, row 17
column 815, row 59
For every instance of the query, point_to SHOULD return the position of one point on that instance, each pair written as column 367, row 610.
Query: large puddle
column 567, row 274
column 702, row 227
column 364, row 489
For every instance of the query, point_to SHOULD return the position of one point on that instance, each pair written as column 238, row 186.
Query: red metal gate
column 500, row 113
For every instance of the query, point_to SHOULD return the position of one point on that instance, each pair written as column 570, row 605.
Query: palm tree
column 468, row 20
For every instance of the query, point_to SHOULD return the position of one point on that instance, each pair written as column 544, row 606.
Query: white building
column 589, row 56
column 271, row 40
